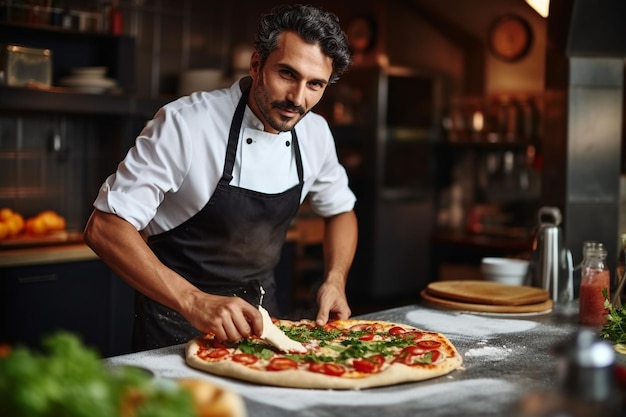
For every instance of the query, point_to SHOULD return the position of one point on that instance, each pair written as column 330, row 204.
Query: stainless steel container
column 551, row 264
column 21, row 66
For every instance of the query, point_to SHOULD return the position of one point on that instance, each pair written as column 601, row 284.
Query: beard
column 265, row 106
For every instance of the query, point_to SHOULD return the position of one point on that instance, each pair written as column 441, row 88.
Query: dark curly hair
column 311, row 24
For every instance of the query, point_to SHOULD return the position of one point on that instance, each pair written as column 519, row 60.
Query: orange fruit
column 5, row 213
column 52, row 220
column 37, row 226
column 4, row 230
column 15, row 224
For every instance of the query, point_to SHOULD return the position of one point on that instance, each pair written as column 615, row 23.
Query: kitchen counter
column 48, row 254
column 505, row 357
column 69, row 248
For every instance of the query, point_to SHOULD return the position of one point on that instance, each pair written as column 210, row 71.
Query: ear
column 255, row 64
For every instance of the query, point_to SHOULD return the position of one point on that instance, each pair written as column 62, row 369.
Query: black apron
column 228, row 248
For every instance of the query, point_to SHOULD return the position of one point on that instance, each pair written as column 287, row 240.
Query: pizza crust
column 392, row 374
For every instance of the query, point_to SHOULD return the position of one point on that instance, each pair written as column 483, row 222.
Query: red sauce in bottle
column 592, row 311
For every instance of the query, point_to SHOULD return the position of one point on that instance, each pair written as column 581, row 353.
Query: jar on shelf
column 595, row 283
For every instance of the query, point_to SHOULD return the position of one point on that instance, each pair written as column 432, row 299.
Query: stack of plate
column 487, row 297
column 88, row 80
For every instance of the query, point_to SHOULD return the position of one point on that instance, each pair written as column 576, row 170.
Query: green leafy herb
column 615, row 327
column 426, row 359
column 68, row 379
column 304, row 334
column 255, row 348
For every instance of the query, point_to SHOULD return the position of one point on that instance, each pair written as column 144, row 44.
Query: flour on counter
column 421, row 396
column 492, row 353
column 464, row 324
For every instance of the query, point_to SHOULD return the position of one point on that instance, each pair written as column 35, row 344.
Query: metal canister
column 551, row 264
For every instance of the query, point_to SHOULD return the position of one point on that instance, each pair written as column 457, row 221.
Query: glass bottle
column 595, row 278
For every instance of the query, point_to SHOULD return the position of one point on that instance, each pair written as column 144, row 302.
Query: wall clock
column 510, row 38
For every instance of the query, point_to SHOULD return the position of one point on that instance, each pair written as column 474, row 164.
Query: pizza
column 343, row 354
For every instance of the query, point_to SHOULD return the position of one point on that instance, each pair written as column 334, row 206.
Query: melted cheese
column 274, row 336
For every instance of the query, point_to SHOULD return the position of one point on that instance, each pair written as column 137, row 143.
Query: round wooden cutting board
column 434, row 301
column 487, row 292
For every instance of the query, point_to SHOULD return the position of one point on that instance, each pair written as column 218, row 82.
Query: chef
column 196, row 214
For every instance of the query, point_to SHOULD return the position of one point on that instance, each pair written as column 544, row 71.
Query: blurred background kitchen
column 457, row 122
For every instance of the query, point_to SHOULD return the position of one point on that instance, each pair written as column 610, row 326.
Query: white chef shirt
column 178, row 158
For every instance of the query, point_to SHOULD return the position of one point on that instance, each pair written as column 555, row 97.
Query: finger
column 219, row 333
column 232, row 333
column 322, row 317
column 242, row 326
column 255, row 320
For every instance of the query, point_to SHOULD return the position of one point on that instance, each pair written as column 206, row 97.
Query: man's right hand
column 229, row 318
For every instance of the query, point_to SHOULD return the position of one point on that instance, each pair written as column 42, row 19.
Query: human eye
column 286, row 73
column 317, row 85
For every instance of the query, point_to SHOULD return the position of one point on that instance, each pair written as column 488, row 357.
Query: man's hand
column 332, row 302
column 229, row 318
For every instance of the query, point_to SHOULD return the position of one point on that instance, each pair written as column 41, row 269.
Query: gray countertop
column 505, row 358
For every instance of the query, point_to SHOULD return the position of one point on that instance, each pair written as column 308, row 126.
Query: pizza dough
column 345, row 354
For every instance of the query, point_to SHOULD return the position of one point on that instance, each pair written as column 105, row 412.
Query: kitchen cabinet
column 83, row 297
column 385, row 123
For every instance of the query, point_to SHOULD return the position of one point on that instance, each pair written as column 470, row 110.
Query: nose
column 296, row 94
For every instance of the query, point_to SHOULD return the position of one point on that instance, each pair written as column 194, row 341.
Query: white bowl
column 504, row 270
column 89, row 72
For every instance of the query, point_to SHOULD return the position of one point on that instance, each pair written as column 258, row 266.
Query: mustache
column 288, row 105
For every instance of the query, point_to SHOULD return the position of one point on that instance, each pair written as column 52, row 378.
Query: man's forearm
column 123, row 249
column 340, row 241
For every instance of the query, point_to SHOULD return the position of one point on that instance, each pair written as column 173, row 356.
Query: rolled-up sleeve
column 330, row 193
column 157, row 164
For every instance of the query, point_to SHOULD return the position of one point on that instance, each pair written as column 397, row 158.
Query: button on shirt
column 178, row 158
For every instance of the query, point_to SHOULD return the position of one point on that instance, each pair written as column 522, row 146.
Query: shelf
column 26, row 99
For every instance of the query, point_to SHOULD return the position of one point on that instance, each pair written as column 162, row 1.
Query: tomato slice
column 245, row 358
column 412, row 335
column 282, row 364
column 429, row 344
column 414, row 350
column 379, row 359
column 216, row 353
column 331, row 369
column 367, row 337
column 364, row 365
column 369, row 365
column 396, row 330
column 436, row 356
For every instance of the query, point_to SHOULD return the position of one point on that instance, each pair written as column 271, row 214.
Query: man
column 196, row 214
